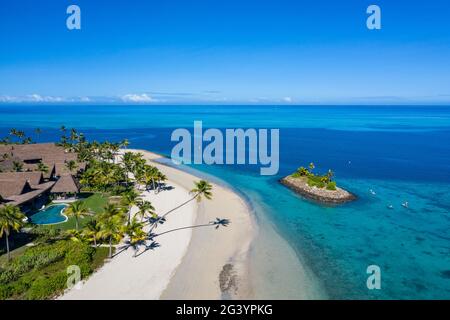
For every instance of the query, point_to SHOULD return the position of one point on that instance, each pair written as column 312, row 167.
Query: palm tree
column 73, row 135
column 92, row 230
column 144, row 208
column 20, row 134
column 129, row 199
column 111, row 228
column 124, row 143
column 330, row 175
column 77, row 210
column 311, row 166
column 11, row 219
column 161, row 177
column 27, row 140
column 201, row 189
column 17, row 166
column 38, row 132
column 149, row 177
column 13, row 132
column 128, row 163
column 110, row 210
column 71, row 165
column 302, row 171
column 42, row 167
column 136, row 234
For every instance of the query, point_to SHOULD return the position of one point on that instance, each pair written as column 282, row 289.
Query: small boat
column 405, row 204
column 372, row 192
column 390, row 206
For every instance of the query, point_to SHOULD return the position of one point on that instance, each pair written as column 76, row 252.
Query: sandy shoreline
column 200, row 263
column 216, row 263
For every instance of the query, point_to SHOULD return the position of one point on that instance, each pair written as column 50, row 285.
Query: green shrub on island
column 315, row 180
column 331, row 185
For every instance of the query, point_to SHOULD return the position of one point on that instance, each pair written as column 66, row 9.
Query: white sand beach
column 214, row 260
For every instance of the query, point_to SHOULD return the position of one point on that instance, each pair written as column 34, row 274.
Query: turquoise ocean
column 400, row 153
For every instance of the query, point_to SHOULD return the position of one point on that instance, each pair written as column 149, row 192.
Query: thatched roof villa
column 31, row 187
column 25, row 189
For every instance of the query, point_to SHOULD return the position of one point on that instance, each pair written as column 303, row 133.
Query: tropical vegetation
column 316, row 180
column 100, row 226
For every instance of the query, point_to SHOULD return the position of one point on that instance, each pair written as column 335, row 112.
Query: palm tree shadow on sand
column 219, row 222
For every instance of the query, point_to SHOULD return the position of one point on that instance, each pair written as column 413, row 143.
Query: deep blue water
column 402, row 153
column 49, row 215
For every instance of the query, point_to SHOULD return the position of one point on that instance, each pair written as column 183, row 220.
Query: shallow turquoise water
column 402, row 153
column 49, row 215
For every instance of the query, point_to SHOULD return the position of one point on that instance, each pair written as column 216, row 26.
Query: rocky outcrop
column 322, row 195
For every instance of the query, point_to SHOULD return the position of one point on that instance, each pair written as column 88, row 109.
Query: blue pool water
column 402, row 153
column 49, row 215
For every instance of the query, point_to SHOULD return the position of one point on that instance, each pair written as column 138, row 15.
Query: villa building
column 22, row 181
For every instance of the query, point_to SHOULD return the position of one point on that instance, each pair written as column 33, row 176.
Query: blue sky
column 217, row 51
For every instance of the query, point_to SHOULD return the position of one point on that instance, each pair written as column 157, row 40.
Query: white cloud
column 38, row 98
column 138, row 98
column 287, row 99
column 85, row 99
column 8, row 99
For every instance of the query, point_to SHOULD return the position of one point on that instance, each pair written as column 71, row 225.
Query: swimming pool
column 49, row 215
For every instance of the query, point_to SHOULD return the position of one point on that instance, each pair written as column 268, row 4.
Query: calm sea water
column 401, row 153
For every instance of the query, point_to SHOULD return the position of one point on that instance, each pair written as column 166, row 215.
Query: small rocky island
column 320, row 188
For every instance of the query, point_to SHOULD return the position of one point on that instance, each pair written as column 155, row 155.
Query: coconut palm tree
column 17, row 166
column 26, row 140
column 42, row 167
column 73, row 135
column 111, row 228
column 128, row 163
column 330, row 175
column 92, row 230
column 13, row 132
column 38, row 132
column 71, row 165
column 136, row 235
column 149, row 176
column 311, row 166
column 11, row 219
column 161, row 177
column 201, row 189
column 111, row 210
column 77, row 210
column 128, row 200
column 124, row 143
column 144, row 208
column 302, row 171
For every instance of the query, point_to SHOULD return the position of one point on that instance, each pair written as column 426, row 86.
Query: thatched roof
column 8, row 163
column 38, row 151
column 10, row 188
column 25, row 197
column 66, row 184
column 19, row 187
column 33, row 177
column 31, row 154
